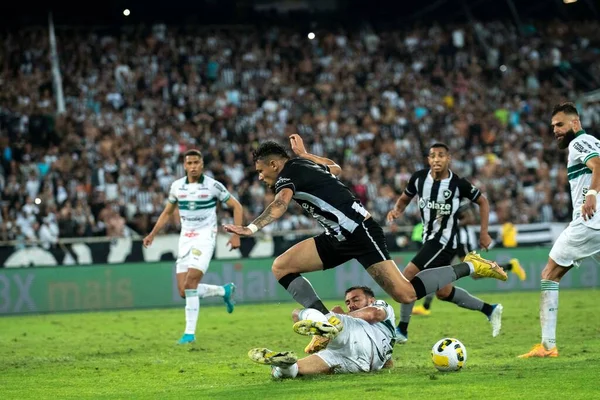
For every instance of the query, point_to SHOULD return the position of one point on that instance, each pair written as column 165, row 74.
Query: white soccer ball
column 449, row 354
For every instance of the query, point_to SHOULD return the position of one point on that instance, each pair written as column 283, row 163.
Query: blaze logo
column 441, row 208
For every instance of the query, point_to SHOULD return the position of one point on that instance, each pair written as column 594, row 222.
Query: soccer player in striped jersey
column 196, row 195
column 581, row 239
column 440, row 192
column 466, row 244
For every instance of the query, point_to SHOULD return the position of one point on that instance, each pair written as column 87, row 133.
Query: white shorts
column 196, row 249
column 354, row 349
column 574, row 244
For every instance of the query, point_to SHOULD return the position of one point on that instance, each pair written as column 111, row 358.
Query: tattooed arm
column 273, row 212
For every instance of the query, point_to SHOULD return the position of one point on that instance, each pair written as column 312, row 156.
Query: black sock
column 302, row 291
column 451, row 295
column 506, row 267
column 428, row 300
column 487, row 309
column 403, row 328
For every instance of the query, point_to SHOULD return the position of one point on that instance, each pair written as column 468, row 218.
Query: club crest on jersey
column 447, row 194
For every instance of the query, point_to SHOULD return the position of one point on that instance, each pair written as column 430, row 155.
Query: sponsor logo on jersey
column 441, row 208
column 191, row 234
column 281, row 181
column 219, row 187
column 182, row 196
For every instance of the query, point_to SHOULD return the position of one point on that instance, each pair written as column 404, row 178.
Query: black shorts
column 366, row 244
column 432, row 255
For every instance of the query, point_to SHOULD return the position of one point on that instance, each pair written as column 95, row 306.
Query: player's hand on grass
column 238, row 230
column 148, row 240
column 588, row 209
column 485, row 240
column 393, row 214
column 297, row 144
column 234, row 242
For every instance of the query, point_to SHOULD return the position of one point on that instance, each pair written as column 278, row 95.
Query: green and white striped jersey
column 197, row 202
column 581, row 149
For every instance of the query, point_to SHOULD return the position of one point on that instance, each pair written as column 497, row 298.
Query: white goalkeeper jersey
column 197, row 202
column 581, row 149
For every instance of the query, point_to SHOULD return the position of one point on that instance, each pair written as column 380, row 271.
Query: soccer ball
column 449, row 354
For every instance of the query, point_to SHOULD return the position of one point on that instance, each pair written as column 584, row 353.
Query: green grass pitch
column 132, row 355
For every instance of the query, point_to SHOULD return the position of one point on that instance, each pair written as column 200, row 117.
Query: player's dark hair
column 438, row 145
column 567, row 108
column 192, row 152
column 269, row 149
column 366, row 290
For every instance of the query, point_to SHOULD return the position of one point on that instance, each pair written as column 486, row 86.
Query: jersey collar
column 201, row 180
column 449, row 176
column 581, row 132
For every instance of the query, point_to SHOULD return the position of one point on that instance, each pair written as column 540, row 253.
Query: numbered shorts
column 196, row 250
column 353, row 350
column 574, row 244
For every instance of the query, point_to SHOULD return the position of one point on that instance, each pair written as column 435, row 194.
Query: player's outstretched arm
column 371, row 314
column 273, row 212
column 484, row 214
column 399, row 208
column 588, row 209
column 299, row 149
column 238, row 219
column 162, row 220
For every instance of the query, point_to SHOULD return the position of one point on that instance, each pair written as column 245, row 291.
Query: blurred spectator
column 371, row 100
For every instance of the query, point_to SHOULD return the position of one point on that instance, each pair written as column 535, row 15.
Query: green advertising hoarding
column 146, row 285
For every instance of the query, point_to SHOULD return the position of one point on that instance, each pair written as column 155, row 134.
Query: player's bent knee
column 404, row 297
column 444, row 293
column 279, row 267
column 193, row 278
column 410, row 271
column 554, row 272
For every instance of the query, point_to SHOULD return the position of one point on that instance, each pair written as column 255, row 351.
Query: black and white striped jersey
column 439, row 202
column 322, row 196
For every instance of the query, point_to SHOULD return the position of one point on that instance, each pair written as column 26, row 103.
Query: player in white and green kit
column 362, row 340
column 581, row 239
column 196, row 196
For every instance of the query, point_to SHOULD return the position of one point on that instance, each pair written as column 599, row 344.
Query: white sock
column 312, row 315
column 192, row 308
column 549, row 313
column 205, row 291
column 471, row 267
column 285, row 372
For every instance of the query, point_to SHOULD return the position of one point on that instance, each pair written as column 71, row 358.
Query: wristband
column 591, row 192
column 253, row 228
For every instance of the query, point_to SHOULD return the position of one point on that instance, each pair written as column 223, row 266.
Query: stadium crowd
column 373, row 101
